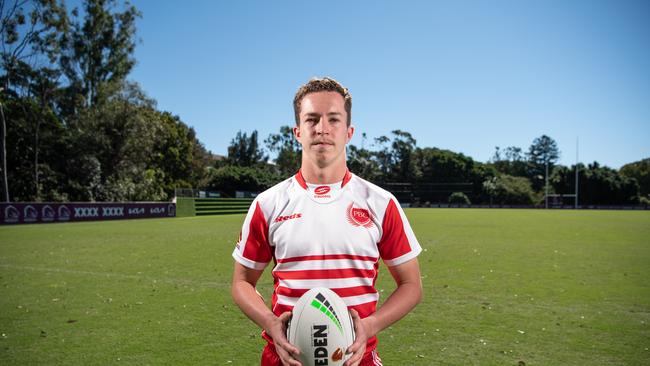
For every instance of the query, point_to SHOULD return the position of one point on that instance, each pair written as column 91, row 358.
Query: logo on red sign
column 359, row 216
column 319, row 191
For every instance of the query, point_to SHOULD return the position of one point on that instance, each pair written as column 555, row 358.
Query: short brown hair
column 322, row 85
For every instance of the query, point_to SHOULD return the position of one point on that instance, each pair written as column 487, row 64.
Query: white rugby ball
column 321, row 327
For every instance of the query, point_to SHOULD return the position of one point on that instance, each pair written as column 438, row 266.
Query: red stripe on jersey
column 326, row 257
column 393, row 243
column 342, row 292
column 346, row 178
column 312, row 274
column 301, row 180
column 257, row 246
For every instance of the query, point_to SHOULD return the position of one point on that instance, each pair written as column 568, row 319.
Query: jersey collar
column 303, row 183
column 323, row 193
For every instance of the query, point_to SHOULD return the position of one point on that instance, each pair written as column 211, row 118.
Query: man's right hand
column 277, row 329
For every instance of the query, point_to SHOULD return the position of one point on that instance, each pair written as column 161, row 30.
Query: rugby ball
column 321, row 327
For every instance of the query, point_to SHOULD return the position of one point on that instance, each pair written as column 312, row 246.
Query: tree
column 230, row 178
column 361, row 162
column 542, row 153
column 25, row 37
column 34, row 131
column 404, row 167
column 510, row 161
column 459, row 198
column 97, row 49
column 245, row 151
column 442, row 171
column 443, row 166
column 597, row 185
column 639, row 170
column 383, row 157
column 118, row 134
column 506, row 189
column 179, row 154
column 287, row 149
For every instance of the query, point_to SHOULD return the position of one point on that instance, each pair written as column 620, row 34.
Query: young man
column 325, row 227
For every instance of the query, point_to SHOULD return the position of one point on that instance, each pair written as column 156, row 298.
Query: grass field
column 502, row 287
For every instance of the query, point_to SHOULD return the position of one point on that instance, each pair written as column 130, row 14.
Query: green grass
column 185, row 207
column 501, row 287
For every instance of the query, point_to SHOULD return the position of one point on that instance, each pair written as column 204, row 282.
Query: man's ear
column 296, row 132
column 350, row 132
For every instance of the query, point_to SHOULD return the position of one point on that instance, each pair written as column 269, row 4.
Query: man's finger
column 355, row 315
column 286, row 358
column 354, row 360
column 284, row 317
column 291, row 349
column 354, row 347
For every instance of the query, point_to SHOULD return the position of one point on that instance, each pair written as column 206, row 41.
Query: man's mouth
column 322, row 143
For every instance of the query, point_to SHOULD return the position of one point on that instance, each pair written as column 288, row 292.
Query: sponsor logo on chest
column 359, row 216
column 322, row 192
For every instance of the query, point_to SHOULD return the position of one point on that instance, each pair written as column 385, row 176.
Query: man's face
column 323, row 131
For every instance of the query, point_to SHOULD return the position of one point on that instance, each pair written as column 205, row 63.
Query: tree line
column 74, row 128
column 429, row 174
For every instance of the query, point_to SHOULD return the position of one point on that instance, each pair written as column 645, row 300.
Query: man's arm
column 405, row 297
column 251, row 303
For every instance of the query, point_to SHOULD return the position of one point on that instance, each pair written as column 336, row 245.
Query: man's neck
column 314, row 174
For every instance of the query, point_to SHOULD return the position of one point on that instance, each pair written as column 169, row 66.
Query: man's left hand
column 363, row 331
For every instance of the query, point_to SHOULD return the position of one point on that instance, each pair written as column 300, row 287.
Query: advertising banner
column 27, row 213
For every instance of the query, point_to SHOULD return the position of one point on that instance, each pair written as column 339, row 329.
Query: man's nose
column 323, row 127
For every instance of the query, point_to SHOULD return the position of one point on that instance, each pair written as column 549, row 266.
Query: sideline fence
column 48, row 212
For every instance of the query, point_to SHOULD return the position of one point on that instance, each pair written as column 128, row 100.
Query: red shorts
column 271, row 358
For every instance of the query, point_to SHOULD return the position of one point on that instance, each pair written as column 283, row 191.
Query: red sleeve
column 253, row 249
column 394, row 243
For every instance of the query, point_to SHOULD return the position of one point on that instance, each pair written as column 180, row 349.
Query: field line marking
column 173, row 281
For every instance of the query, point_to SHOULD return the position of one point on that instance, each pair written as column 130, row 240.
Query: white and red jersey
column 330, row 235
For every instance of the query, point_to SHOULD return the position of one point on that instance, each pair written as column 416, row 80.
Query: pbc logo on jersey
column 359, row 216
column 285, row 218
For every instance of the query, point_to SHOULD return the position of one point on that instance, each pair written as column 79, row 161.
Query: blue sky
column 460, row 75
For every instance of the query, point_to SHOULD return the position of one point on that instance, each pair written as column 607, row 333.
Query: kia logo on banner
column 157, row 210
column 136, row 211
column 86, row 212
